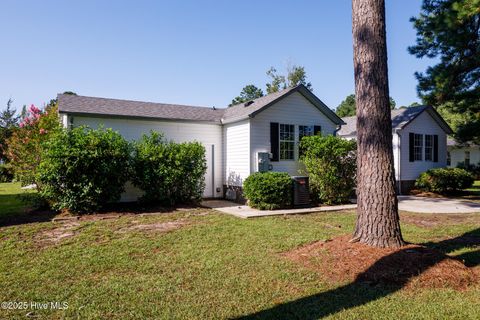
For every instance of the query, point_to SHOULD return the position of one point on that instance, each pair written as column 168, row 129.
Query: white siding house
column 294, row 110
column 419, row 138
column 462, row 154
column 232, row 137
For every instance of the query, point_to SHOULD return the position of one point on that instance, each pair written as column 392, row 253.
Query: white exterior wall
column 236, row 152
column 207, row 134
column 423, row 124
column 294, row 109
column 457, row 155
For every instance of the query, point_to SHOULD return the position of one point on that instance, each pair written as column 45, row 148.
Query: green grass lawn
column 10, row 202
column 212, row 266
column 475, row 188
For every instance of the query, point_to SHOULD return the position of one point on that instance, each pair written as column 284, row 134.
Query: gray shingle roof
column 126, row 108
column 242, row 111
column 400, row 118
column 114, row 107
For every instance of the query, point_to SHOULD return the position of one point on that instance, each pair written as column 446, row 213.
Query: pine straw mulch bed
column 410, row 267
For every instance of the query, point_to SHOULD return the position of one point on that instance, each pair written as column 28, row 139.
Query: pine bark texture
column 377, row 221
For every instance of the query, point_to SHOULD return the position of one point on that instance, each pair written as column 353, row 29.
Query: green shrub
column 444, row 180
column 83, row 169
column 6, row 174
column 472, row 168
column 169, row 172
column 268, row 190
column 330, row 163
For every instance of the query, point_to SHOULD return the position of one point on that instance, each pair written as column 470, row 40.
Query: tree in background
column 8, row 121
column 249, row 92
column 277, row 82
column 347, row 107
column 25, row 144
column 295, row 75
column 377, row 208
column 450, row 30
column 454, row 120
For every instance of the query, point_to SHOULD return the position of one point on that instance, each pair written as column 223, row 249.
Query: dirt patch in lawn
column 63, row 230
column 154, row 227
column 412, row 266
column 434, row 220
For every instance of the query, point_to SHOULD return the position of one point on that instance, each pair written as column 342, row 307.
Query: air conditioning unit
column 301, row 191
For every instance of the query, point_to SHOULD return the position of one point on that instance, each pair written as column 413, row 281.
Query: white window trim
column 290, row 141
column 429, row 147
column 420, row 145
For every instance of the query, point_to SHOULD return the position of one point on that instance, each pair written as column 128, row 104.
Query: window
column 287, row 142
column 304, row 131
column 418, row 147
column 467, row 159
column 449, row 159
column 428, row 147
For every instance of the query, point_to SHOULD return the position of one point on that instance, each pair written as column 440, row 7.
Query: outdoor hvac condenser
column 301, row 191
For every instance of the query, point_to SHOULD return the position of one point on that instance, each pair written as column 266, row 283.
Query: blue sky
column 188, row 52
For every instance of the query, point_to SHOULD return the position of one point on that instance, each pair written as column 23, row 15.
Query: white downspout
column 399, row 161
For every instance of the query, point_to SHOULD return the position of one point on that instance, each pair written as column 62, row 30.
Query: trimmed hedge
column 84, row 169
column 169, row 172
column 268, row 190
column 330, row 163
column 444, row 180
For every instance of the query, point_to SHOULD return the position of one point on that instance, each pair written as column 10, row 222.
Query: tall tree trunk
column 377, row 221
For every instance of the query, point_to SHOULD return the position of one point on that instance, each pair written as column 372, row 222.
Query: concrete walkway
column 242, row 211
column 405, row 203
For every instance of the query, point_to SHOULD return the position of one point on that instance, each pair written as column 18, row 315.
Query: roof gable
column 244, row 111
column 400, row 119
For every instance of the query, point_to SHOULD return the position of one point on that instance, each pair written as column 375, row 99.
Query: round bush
column 169, row 172
column 268, row 190
column 83, row 169
column 330, row 163
column 444, row 180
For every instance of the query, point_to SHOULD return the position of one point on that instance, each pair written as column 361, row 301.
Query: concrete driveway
column 405, row 203
column 436, row 205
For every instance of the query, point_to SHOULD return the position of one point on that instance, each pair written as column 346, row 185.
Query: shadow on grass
column 25, row 208
column 360, row 292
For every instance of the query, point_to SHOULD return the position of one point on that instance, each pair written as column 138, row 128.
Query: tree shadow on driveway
column 359, row 292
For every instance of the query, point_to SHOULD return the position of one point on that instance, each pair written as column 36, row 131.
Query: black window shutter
column 411, row 141
column 435, row 148
column 274, row 141
column 317, row 130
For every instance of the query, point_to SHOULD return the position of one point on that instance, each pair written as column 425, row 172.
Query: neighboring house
column 466, row 154
column 419, row 142
column 262, row 134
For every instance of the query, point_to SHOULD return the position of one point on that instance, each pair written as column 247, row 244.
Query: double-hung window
column 304, row 131
column 287, row 142
column 418, row 147
column 428, row 147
